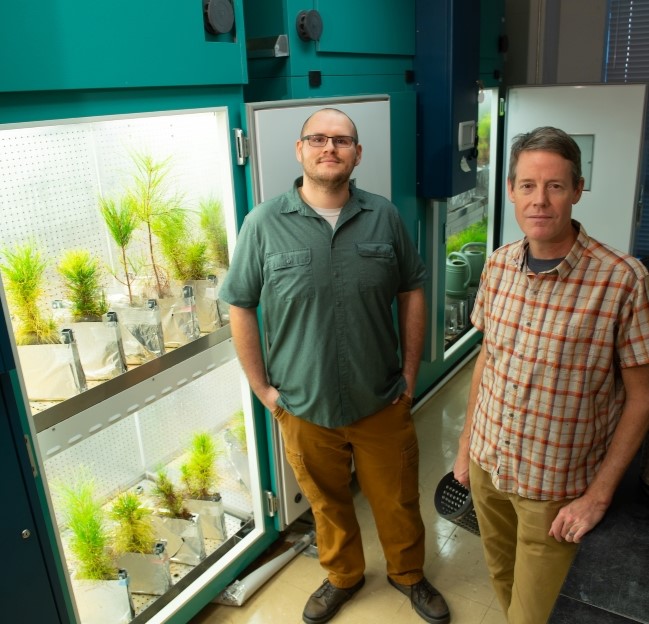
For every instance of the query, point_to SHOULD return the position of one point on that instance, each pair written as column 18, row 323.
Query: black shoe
column 425, row 600
column 325, row 601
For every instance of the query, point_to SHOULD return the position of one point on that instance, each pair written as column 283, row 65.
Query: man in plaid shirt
column 558, row 405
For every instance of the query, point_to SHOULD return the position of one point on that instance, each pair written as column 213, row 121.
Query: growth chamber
column 119, row 382
column 116, row 236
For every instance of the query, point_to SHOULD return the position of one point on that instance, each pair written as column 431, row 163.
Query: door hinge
column 30, row 454
column 272, row 505
column 242, row 146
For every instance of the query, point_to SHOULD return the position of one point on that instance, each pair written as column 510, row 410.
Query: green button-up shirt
column 326, row 301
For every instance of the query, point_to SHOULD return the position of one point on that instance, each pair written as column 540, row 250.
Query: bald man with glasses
column 325, row 261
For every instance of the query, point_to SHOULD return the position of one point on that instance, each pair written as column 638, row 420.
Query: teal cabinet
column 28, row 544
column 70, row 44
column 493, row 42
column 349, row 44
column 447, row 73
column 353, row 27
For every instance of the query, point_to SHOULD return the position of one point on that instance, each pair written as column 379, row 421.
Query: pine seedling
column 23, row 270
column 186, row 255
column 237, row 429
column 134, row 530
column 213, row 224
column 151, row 201
column 84, row 516
column 121, row 221
column 168, row 496
column 199, row 472
column 81, row 275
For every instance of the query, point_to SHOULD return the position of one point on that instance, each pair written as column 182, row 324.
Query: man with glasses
column 325, row 261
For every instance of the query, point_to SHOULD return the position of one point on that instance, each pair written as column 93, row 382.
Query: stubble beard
column 328, row 183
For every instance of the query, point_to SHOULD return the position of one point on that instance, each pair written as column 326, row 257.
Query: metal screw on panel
column 26, row 534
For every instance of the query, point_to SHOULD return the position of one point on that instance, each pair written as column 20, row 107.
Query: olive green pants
column 385, row 456
column 526, row 565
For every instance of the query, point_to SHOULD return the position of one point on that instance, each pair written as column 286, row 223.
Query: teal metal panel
column 492, row 42
column 50, row 105
column 447, row 72
column 359, row 27
column 304, row 58
column 266, row 18
column 351, row 43
column 35, row 567
column 298, row 87
column 26, row 575
column 403, row 127
column 355, row 65
column 75, row 44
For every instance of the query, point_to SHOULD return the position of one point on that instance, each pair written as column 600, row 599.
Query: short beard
column 329, row 184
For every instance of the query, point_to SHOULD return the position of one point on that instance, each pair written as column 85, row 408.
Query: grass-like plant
column 23, row 270
column 186, row 255
column 484, row 138
column 85, row 518
column 169, row 497
column 212, row 223
column 82, row 274
column 121, row 221
column 475, row 233
column 133, row 530
column 198, row 473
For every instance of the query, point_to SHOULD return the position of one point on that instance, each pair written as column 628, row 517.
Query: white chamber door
column 273, row 128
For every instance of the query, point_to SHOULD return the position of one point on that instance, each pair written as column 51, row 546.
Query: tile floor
column 454, row 562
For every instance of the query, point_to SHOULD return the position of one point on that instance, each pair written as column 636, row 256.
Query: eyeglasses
column 320, row 140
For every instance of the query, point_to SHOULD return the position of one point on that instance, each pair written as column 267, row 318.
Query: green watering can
column 475, row 254
column 458, row 274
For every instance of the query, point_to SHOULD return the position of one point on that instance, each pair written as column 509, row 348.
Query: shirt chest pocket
column 291, row 274
column 574, row 346
column 377, row 266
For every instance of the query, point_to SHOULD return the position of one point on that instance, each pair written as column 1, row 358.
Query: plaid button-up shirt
column 551, row 393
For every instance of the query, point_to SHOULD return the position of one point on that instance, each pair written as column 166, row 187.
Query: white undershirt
column 329, row 214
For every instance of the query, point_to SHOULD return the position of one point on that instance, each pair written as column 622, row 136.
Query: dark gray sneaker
column 425, row 600
column 325, row 601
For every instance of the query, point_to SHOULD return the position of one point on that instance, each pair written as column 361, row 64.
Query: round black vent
column 309, row 25
column 218, row 16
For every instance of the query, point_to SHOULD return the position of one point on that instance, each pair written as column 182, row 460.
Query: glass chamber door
column 470, row 220
column 117, row 232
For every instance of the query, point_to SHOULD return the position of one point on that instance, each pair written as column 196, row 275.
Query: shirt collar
column 518, row 252
column 295, row 203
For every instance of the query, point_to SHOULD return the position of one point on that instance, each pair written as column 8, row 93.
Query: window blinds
column 627, row 60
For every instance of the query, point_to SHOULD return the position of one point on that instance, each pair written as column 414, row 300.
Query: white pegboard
column 192, row 143
column 48, row 191
column 51, row 176
column 206, row 404
column 148, row 425
column 111, row 458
